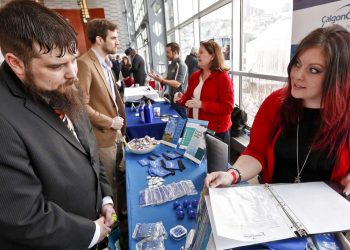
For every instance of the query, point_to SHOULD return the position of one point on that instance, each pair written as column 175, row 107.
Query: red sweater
column 261, row 148
column 217, row 100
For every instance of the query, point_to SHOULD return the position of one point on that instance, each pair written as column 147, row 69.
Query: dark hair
column 174, row 47
column 128, row 51
column 127, row 59
column 218, row 62
column 334, row 131
column 99, row 27
column 26, row 23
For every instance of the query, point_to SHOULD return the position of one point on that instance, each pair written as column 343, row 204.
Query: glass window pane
column 171, row 37
column 139, row 12
column 267, row 29
column 217, row 25
column 206, row 3
column 186, row 8
column 169, row 13
column 142, row 47
column 195, row 6
column 254, row 92
column 186, row 40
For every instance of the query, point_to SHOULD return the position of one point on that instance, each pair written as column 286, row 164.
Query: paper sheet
column 248, row 215
column 253, row 216
column 317, row 206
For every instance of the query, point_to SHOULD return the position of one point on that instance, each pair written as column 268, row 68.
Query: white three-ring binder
column 251, row 214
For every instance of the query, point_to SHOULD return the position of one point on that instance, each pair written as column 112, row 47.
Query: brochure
column 196, row 148
column 190, row 128
column 173, row 131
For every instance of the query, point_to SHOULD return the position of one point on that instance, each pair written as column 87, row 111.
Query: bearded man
column 54, row 192
column 104, row 105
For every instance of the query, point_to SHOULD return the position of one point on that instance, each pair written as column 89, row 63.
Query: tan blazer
column 100, row 106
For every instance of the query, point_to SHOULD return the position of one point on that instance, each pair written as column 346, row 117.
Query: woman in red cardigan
column 209, row 95
column 301, row 132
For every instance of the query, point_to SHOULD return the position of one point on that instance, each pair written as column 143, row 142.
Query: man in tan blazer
column 104, row 105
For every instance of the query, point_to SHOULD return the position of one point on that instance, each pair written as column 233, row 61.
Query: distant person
column 138, row 69
column 301, row 132
column 104, row 105
column 125, row 72
column 227, row 52
column 209, row 95
column 54, row 191
column 116, row 66
column 176, row 75
column 192, row 61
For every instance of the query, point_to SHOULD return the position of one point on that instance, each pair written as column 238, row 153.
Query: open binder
column 252, row 214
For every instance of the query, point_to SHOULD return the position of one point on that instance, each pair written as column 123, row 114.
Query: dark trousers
column 179, row 109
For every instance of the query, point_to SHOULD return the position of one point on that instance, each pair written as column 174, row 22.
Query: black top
column 116, row 68
column 126, row 70
column 138, row 69
column 317, row 168
column 192, row 64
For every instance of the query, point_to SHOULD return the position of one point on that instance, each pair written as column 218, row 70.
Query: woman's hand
column 194, row 103
column 177, row 96
column 346, row 184
column 217, row 179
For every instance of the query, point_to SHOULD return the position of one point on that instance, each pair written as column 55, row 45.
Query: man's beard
column 68, row 98
column 108, row 51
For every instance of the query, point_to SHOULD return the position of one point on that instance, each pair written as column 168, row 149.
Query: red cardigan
column 261, row 148
column 217, row 100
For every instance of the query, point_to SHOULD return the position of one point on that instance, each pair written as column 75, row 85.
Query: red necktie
column 59, row 113
column 63, row 118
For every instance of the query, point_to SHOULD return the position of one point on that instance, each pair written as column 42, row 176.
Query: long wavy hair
column 335, row 101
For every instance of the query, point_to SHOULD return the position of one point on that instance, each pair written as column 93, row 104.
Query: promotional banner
column 312, row 14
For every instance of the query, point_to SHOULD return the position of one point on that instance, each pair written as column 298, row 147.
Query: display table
column 136, row 129
column 136, row 93
column 136, row 180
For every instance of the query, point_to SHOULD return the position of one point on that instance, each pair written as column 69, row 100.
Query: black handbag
column 239, row 119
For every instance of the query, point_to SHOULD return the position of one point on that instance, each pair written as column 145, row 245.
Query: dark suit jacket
column 116, row 68
column 138, row 69
column 51, row 185
column 101, row 108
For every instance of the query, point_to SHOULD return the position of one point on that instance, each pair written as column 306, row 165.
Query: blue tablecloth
column 136, row 181
column 136, row 129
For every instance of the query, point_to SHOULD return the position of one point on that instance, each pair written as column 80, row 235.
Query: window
column 255, row 37
column 170, row 14
column 139, row 12
column 267, row 28
column 254, row 92
column 186, row 40
column 142, row 45
column 171, row 37
column 206, row 3
column 218, row 26
column 187, row 9
column 266, row 41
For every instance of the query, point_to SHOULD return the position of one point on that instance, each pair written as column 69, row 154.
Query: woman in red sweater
column 209, row 95
column 301, row 133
